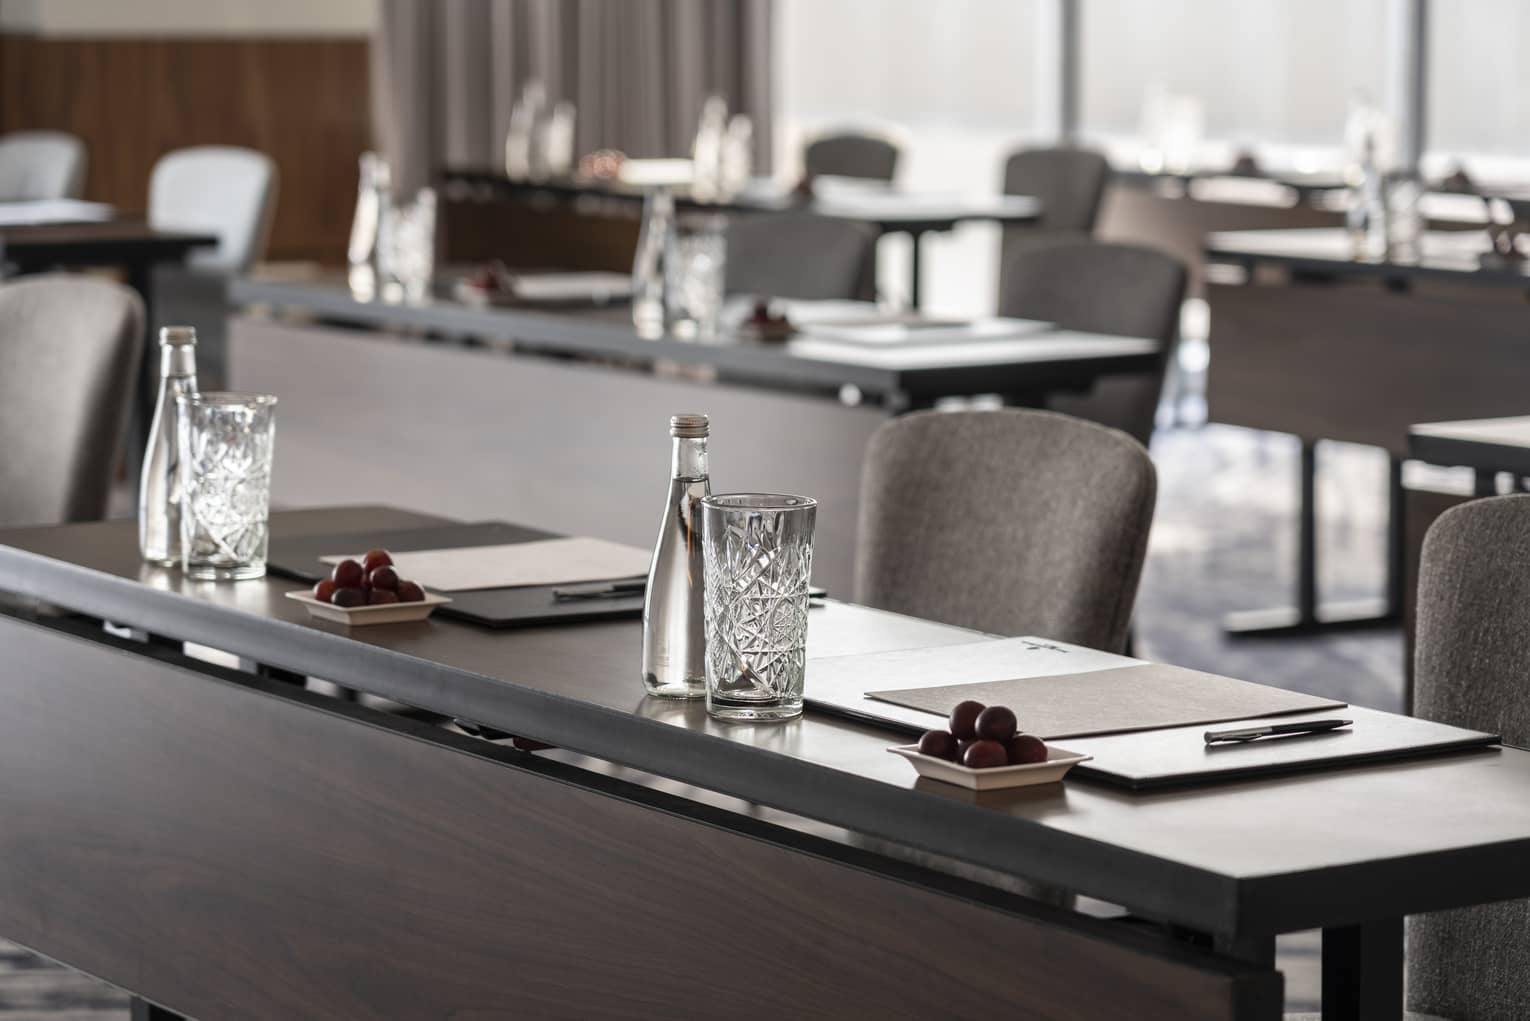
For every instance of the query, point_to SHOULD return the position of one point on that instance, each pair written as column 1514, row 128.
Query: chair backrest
column 799, row 255
column 851, row 154
column 1069, row 182
column 1123, row 290
column 41, row 165
column 218, row 189
column 1013, row 522
column 70, row 350
column 1472, row 669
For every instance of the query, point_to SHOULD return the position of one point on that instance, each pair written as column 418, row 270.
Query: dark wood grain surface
column 1359, row 363
column 230, row 850
column 1274, row 855
column 303, row 102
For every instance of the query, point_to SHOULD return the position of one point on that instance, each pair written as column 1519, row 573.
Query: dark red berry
column 964, row 719
column 348, row 597
column 938, row 743
column 381, row 596
column 384, row 577
column 1024, row 749
column 996, row 723
column 348, row 574
column 324, row 590
column 983, row 754
column 409, row 592
column 374, row 559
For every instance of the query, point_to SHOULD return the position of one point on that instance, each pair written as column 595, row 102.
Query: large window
column 1274, row 76
column 1479, row 86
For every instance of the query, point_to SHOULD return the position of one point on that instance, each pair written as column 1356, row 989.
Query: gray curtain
column 445, row 73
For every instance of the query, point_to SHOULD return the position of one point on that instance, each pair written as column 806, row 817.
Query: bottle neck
column 177, row 361
column 689, row 460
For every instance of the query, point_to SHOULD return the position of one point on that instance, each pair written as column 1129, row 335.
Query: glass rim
column 758, row 502
column 225, row 398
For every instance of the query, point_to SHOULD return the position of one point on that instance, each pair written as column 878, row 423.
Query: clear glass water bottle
column 648, row 263
column 372, row 194
column 674, row 664
column 159, row 490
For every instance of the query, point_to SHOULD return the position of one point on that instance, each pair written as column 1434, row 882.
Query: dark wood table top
column 1252, row 857
column 1035, row 362
column 1487, row 444
column 1451, row 255
column 106, row 242
column 888, row 209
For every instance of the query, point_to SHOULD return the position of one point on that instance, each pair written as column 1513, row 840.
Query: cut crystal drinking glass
column 226, row 442
column 758, row 561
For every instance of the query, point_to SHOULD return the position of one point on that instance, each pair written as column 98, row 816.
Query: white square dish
column 382, row 613
column 1059, row 761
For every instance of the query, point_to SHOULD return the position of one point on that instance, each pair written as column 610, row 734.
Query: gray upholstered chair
column 851, row 154
column 69, row 356
column 1011, row 521
column 1102, row 288
column 218, row 189
column 1069, row 182
column 799, row 255
column 41, row 165
column 1472, row 669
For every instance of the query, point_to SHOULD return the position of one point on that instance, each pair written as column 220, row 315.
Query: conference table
column 886, row 209
column 1311, row 340
column 229, row 844
column 130, row 244
column 557, row 416
column 1488, row 446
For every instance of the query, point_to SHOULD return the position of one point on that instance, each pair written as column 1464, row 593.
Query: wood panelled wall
column 303, row 101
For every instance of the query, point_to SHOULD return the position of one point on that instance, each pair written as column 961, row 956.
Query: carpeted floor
column 1223, row 539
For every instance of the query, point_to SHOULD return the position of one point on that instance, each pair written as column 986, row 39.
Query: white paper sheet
column 514, row 565
column 558, row 287
column 887, row 331
column 15, row 214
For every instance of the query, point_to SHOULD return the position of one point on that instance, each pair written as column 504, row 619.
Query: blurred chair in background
column 222, row 190
column 1071, row 186
column 216, row 189
column 1013, row 522
column 68, row 366
column 1123, row 290
column 41, row 165
column 852, row 154
column 800, row 255
column 1472, row 669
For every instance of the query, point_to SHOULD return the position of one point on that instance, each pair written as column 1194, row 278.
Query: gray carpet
column 1223, row 539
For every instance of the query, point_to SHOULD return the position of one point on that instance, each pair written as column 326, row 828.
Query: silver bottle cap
column 688, row 427
column 178, row 336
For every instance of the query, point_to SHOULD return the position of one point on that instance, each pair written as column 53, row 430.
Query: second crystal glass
column 759, row 558
column 225, row 444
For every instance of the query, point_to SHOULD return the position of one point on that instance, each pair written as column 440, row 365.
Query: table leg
column 1363, row 972
column 249, row 666
column 916, row 272
column 1307, row 617
column 143, row 1010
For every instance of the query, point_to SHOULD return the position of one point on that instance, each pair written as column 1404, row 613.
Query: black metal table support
column 143, row 1010
column 915, row 270
column 274, row 673
column 1363, row 972
column 1308, row 616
